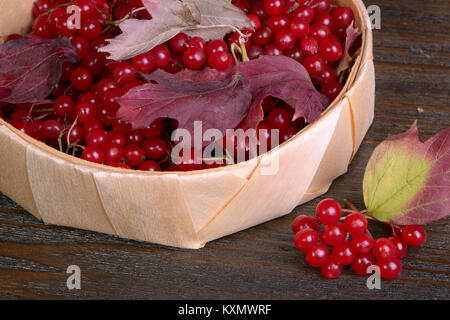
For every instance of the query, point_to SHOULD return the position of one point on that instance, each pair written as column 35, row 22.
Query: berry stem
column 350, row 205
column 116, row 22
column 68, row 135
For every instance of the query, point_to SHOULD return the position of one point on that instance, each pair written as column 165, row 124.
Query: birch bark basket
column 191, row 208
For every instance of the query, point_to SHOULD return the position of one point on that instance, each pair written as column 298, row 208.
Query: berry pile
column 79, row 116
column 351, row 242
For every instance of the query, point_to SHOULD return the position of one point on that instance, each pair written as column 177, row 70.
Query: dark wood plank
column 412, row 54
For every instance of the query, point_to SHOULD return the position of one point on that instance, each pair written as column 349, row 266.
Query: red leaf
column 31, row 67
column 284, row 78
column 219, row 99
column 223, row 100
column 353, row 39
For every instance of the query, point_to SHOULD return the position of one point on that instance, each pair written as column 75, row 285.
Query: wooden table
column 412, row 54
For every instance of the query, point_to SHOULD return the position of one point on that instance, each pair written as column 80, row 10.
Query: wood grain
column 412, row 58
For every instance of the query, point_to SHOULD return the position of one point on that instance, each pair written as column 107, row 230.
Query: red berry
column 81, row 45
column 331, row 269
column 343, row 253
column 321, row 6
column 104, row 85
column 220, row 60
column 356, row 223
column 255, row 22
column 161, row 56
column 361, row 243
column 304, row 13
column 90, row 28
column 154, row 130
column 309, row 45
column 305, row 222
column 191, row 161
column 95, row 62
column 155, row 148
column 262, row 37
column 13, row 36
column 62, row 105
column 91, row 125
column 237, row 39
column 361, row 263
column 319, row 32
column 133, row 155
column 41, row 6
column 124, row 72
column 81, row 79
column 197, row 42
column 329, row 211
column 334, row 234
column 113, row 153
column 278, row 118
column 244, row 5
column 143, row 62
column 41, row 27
column 194, row 58
column 97, row 137
column 284, row 40
column 325, row 20
column 306, row 239
column 179, row 43
column 414, row 235
column 67, row 69
column 330, row 49
column 390, row 268
column 149, row 165
column 299, row 28
column 278, row 23
column 287, row 133
column 295, row 53
column 93, row 154
column 122, row 126
column 73, row 135
column 51, row 129
column 383, row 249
column 401, row 249
column 134, row 137
column 317, row 255
column 272, row 50
column 85, row 111
column 332, row 90
column 327, row 75
column 274, row 7
column 116, row 137
column 342, row 17
column 216, row 46
column 87, row 7
column 258, row 10
column 65, row 27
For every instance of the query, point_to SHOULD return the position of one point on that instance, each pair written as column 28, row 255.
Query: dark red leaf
column 31, row 67
column 284, row 78
column 223, row 100
column 219, row 99
column 352, row 41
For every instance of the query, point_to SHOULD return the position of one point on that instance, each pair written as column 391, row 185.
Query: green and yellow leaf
column 408, row 182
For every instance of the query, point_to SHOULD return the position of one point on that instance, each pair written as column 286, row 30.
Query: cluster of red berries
column 309, row 31
column 79, row 116
column 351, row 242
